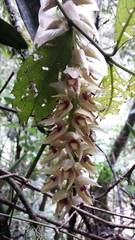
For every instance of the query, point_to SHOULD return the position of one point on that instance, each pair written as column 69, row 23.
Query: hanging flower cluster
column 72, row 138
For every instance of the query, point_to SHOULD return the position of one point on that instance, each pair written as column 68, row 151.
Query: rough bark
column 122, row 137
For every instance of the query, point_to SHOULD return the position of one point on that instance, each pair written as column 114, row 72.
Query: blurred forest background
column 29, row 213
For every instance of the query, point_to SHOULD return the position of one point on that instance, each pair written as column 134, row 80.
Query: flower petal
column 50, row 34
column 82, row 180
column 60, row 195
column 47, row 4
column 84, row 194
column 50, row 184
column 73, row 72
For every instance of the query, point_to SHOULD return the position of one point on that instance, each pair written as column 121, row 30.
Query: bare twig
column 111, row 224
column 6, row 83
column 109, row 212
column 25, row 202
column 59, row 224
column 8, row 109
column 126, row 175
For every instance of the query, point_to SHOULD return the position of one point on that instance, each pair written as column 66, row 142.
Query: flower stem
column 30, row 171
column 107, row 56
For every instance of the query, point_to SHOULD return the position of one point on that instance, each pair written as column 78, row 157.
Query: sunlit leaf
column 131, row 129
column 125, row 22
column 10, row 37
column 114, row 92
column 131, row 86
column 32, row 92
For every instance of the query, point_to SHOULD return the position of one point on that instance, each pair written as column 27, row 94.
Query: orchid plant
column 72, row 139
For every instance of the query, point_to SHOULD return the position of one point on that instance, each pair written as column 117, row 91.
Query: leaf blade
column 36, row 75
column 124, row 22
column 10, row 37
column 114, row 92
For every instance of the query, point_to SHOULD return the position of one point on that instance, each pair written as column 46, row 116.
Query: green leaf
column 5, row 228
column 131, row 129
column 32, row 91
column 125, row 25
column 131, row 86
column 16, row 164
column 10, row 37
column 113, row 92
column 8, row 100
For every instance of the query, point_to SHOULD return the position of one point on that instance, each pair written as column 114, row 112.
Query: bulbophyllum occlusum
column 72, row 122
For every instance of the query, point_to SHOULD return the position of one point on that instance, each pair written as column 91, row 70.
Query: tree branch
column 20, row 194
column 126, row 175
column 122, row 138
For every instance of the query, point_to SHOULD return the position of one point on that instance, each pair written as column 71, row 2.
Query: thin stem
column 27, row 220
column 107, row 56
column 18, row 207
column 31, row 169
column 111, row 61
column 72, row 24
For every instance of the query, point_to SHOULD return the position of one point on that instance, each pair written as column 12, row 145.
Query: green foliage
column 16, row 164
column 32, row 91
column 10, row 37
column 105, row 173
column 131, row 86
column 5, row 229
column 125, row 25
column 131, row 129
column 114, row 91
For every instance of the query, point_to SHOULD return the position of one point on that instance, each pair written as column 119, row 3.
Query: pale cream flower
column 81, row 2
column 62, row 109
column 63, row 207
column 85, row 100
column 82, row 121
column 97, row 69
column 50, row 34
column 53, row 153
column 57, row 132
column 91, row 51
column 71, row 10
column 74, row 145
column 47, row 4
column 67, row 173
column 72, row 138
column 78, row 57
column 88, row 21
column 90, row 148
column 81, row 188
column 84, row 194
column 71, row 71
column 50, row 184
column 88, row 164
column 82, row 180
column 60, row 195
